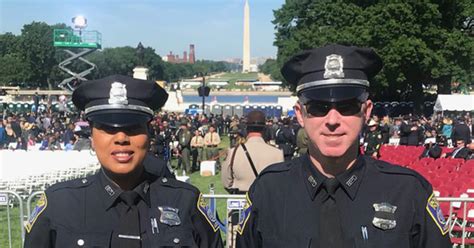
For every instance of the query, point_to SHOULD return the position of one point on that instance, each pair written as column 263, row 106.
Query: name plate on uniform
column 236, row 204
column 3, row 199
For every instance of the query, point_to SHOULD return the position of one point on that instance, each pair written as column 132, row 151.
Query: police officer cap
column 119, row 101
column 332, row 73
column 256, row 119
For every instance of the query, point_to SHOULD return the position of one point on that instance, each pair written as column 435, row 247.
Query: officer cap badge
column 333, row 68
column 384, row 217
column 118, row 94
column 169, row 216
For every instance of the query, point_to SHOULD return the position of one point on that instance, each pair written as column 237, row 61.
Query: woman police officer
column 123, row 205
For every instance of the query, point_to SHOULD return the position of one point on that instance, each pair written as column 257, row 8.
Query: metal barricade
column 460, row 219
column 233, row 214
column 12, row 233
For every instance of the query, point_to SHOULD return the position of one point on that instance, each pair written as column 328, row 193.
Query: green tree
column 419, row 42
column 270, row 67
column 13, row 69
column 9, row 44
column 36, row 48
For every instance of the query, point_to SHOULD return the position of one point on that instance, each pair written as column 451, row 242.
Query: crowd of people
column 195, row 138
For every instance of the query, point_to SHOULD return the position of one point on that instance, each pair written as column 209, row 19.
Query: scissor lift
column 83, row 43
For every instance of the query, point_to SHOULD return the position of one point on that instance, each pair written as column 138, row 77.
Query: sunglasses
column 321, row 109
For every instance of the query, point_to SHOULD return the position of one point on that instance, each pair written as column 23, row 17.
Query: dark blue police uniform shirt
column 286, row 200
column 83, row 213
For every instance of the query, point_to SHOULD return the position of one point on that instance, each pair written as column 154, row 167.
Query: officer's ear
column 150, row 130
column 367, row 109
column 91, row 125
column 300, row 112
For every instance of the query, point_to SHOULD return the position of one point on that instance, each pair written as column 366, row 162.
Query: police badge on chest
column 384, row 217
column 169, row 216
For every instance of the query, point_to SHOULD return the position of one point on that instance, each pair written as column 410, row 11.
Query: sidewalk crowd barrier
column 12, row 233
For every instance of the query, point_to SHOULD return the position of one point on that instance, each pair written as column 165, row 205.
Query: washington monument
column 246, row 45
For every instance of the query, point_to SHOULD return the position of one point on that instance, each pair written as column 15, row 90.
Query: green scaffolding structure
column 69, row 38
column 77, row 43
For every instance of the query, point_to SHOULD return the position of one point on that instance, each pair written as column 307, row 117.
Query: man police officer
column 123, row 204
column 334, row 197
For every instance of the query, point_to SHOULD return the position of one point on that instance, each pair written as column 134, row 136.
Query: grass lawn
column 14, row 224
column 232, row 77
column 203, row 183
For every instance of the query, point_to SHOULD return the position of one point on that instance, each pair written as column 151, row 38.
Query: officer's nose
column 121, row 138
column 333, row 119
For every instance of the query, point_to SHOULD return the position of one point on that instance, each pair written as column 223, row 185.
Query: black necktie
column 127, row 234
column 330, row 231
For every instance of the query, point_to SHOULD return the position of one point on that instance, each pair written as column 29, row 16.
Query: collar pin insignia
column 312, row 181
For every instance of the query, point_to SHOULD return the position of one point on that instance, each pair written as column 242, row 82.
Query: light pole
column 203, row 91
column 203, row 95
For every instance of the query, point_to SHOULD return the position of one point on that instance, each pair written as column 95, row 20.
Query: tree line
column 30, row 60
column 422, row 43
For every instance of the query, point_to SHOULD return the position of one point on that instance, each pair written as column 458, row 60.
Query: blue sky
column 214, row 26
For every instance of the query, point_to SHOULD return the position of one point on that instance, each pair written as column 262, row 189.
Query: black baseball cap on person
column 119, row 101
column 332, row 73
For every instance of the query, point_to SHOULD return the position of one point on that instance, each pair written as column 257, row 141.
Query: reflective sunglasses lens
column 320, row 109
column 317, row 109
column 348, row 108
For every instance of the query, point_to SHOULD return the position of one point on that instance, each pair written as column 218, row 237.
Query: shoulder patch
column 39, row 208
column 245, row 215
column 207, row 213
column 434, row 210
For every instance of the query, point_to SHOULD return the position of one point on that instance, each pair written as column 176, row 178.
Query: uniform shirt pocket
column 380, row 238
column 66, row 238
column 177, row 237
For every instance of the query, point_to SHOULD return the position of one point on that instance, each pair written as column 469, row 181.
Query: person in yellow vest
column 211, row 142
column 197, row 143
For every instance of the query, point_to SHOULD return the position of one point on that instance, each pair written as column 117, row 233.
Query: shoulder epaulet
column 175, row 183
column 388, row 168
column 275, row 168
column 75, row 183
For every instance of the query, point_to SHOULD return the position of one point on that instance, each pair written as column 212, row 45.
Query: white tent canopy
column 454, row 103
